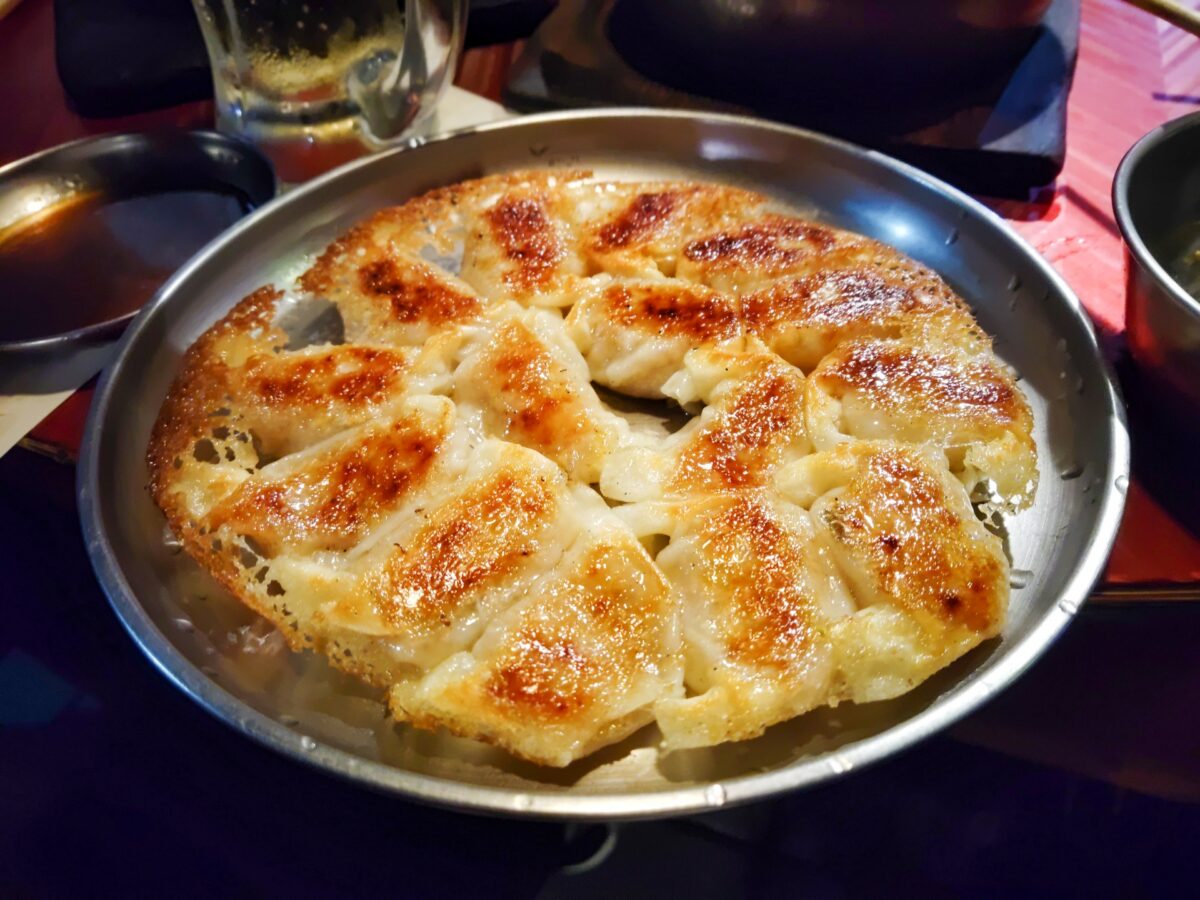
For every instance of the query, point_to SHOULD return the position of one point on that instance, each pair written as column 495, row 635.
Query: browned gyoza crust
column 432, row 491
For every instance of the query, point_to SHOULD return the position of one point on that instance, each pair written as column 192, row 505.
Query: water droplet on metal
column 289, row 721
column 307, row 743
column 952, row 237
column 1070, row 607
column 714, row 795
column 522, row 802
column 1121, row 484
column 1070, row 471
column 184, row 625
column 840, row 764
column 1019, row 578
column 1014, row 283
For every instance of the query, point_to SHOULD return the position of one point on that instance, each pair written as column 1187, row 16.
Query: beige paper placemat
column 30, row 392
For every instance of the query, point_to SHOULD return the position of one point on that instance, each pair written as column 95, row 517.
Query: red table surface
column 1133, row 74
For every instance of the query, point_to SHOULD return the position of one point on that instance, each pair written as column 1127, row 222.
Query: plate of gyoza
column 605, row 464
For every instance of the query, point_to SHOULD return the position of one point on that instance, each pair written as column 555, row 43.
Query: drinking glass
column 314, row 83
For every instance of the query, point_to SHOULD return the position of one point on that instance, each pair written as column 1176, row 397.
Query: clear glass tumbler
column 314, row 83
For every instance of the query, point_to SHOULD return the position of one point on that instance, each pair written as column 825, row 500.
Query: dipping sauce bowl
column 91, row 229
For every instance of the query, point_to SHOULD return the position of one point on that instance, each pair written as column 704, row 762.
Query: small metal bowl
column 1156, row 193
column 123, row 164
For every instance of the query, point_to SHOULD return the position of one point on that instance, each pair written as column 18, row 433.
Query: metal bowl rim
column 687, row 799
column 100, row 331
column 1129, row 230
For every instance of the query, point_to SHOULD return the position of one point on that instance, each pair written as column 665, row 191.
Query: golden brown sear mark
column 615, row 597
column 767, row 244
column 641, row 218
column 839, row 297
column 773, row 617
column 539, row 404
column 525, row 235
column 337, row 495
column 896, row 375
column 354, row 376
column 735, row 449
column 373, row 238
column 414, row 294
column 478, row 538
column 896, row 514
column 672, row 309
column 545, row 676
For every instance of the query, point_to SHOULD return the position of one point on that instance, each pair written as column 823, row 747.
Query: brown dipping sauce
column 95, row 257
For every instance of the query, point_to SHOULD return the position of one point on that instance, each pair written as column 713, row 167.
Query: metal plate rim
column 688, row 799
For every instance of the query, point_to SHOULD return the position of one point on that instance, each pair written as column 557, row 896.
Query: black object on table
column 117, row 57
column 990, row 117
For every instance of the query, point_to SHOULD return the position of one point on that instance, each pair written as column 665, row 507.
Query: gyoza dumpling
column 427, row 586
column 802, row 317
column 635, row 334
column 297, row 398
column 530, row 385
column 328, row 496
column 745, row 255
column 967, row 406
column 284, row 537
column 753, row 421
column 758, row 596
column 640, row 229
column 577, row 662
column 242, row 378
column 384, row 293
column 932, row 581
column 196, row 420
column 520, row 243
column 243, row 399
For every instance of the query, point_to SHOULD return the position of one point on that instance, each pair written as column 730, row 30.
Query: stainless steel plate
column 1058, row 547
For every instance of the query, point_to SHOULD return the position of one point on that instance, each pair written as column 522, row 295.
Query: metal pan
column 1058, row 547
